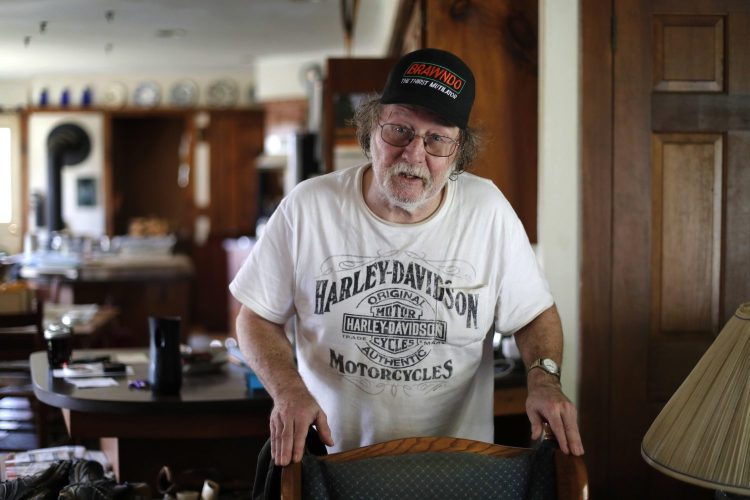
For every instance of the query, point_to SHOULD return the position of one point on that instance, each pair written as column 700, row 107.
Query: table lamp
column 702, row 436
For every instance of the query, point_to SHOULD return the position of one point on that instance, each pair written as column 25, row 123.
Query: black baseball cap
column 434, row 79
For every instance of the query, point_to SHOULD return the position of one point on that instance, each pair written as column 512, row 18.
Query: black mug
column 165, row 367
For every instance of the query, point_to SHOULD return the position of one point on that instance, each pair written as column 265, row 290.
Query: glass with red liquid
column 59, row 340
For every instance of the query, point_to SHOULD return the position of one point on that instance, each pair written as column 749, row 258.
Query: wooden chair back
column 570, row 475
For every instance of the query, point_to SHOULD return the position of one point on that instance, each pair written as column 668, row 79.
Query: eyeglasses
column 401, row 136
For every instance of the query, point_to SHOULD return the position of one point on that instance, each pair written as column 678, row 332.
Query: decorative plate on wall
column 115, row 96
column 184, row 93
column 223, row 92
column 147, row 94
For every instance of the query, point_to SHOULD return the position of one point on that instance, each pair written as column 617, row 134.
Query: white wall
column 14, row 93
column 559, row 181
column 280, row 77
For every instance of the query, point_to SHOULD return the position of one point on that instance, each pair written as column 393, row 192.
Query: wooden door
column 499, row 41
column 235, row 139
column 676, row 217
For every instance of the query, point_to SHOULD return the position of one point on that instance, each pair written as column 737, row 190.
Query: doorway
column 145, row 172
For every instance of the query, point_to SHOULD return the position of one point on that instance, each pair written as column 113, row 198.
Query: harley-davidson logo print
column 394, row 314
column 394, row 334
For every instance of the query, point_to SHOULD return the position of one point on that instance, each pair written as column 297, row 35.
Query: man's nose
column 414, row 152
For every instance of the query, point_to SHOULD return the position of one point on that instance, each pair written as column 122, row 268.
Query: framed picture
column 86, row 192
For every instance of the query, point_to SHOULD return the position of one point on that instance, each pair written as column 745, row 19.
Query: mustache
column 409, row 169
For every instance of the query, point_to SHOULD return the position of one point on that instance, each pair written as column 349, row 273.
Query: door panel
column 686, row 215
column 685, row 255
column 688, row 53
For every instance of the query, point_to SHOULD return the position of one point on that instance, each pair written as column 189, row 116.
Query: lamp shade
column 702, row 436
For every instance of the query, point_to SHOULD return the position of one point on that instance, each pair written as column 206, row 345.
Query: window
column 6, row 179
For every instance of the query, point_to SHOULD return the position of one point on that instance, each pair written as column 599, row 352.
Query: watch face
column 549, row 365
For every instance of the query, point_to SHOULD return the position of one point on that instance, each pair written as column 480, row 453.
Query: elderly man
column 397, row 274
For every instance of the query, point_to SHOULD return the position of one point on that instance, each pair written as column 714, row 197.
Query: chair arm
column 291, row 482
column 572, row 477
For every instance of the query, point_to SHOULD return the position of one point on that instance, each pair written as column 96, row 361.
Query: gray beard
column 428, row 191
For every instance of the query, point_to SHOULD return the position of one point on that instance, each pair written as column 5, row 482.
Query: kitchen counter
column 110, row 267
column 138, row 285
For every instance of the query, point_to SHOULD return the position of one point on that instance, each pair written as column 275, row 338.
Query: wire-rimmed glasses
column 401, row 136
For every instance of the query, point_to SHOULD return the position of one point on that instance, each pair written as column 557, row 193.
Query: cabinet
column 498, row 40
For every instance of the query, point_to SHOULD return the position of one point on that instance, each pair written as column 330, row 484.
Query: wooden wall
column 498, row 39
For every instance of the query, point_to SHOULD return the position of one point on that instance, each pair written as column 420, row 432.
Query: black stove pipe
column 67, row 144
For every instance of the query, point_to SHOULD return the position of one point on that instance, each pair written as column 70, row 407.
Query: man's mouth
column 410, row 177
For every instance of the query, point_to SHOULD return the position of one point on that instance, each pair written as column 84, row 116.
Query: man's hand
column 293, row 412
column 546, row 402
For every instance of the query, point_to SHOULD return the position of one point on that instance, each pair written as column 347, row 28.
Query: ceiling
column 50, row 37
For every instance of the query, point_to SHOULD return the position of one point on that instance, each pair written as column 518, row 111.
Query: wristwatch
column 546, row 364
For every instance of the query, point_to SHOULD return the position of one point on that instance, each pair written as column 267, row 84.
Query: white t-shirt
column 394, row 322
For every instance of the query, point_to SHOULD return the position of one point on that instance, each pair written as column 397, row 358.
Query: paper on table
column 87, row 370
column 87, row 383
column 135, row 358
